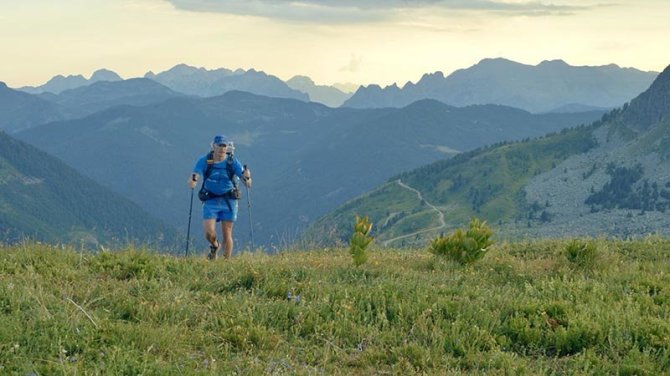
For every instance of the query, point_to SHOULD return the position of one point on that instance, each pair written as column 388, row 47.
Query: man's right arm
column 195, row 175
column 193, row 180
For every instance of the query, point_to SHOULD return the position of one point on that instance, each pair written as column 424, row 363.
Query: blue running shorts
column 218, row 209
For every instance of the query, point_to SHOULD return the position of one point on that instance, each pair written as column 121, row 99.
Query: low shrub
column 464, row 246
column 581, row 253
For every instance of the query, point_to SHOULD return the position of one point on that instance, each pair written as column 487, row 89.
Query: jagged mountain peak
column 614, row 66
column 183, row 68
column 301, row 80
column 553, row 64
column 60, row 77
column 497, row 60
column 437, row 76
column 104, row 75
column 651, row 106
column 434, row 75
column 187, row 71
column 372, row 87
column 328, row 95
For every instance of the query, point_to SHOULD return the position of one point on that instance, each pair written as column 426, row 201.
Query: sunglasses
column 221, row 145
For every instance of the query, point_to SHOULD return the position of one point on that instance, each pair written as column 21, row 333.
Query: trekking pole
column 190, row 210
column 251, row 227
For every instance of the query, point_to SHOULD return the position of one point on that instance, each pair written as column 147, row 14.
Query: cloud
column 337, row 11
column 354, row 64
column 302, row 11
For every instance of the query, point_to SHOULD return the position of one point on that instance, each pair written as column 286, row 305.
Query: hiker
column 219, row 192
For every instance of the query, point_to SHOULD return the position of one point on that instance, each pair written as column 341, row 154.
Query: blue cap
column 220, row 139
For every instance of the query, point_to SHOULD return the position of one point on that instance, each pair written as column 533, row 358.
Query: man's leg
column 227, row 229
column 209, row 225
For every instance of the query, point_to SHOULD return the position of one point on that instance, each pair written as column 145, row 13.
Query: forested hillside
column 43, row 199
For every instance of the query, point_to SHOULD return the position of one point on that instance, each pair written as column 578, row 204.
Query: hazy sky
column 380, row 41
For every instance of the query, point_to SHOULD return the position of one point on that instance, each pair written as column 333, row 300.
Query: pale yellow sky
column 378, row 41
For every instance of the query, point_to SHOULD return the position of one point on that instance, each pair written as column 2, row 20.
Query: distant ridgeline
column 611, row 177
column 551, row 86
column 43, row 199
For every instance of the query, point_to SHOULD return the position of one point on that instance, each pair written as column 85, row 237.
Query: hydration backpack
column 234, row 194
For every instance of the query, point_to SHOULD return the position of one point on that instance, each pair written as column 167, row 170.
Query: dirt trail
column 443, row 224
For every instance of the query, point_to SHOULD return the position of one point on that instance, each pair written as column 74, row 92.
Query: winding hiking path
column 440, row 215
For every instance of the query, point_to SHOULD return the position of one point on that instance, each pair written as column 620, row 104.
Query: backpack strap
column 203, row 194
column 208, row 169
column 231, row 176
column 231, row 172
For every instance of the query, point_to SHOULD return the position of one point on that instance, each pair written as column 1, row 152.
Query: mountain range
column 188, row 80
column 609, row 178
column 43, row 199
column 210, row 83
column 549, row 86
column 306, row 158
column 60, row 83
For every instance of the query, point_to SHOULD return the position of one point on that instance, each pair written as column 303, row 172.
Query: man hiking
column 219, row 192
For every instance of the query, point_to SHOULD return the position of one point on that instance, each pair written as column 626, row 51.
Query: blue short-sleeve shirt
column 218, row 181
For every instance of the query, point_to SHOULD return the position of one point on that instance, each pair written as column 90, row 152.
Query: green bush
column 463, row 246
column 581, row 252
column 360, row 240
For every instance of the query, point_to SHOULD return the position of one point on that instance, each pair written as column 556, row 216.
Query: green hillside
column 43, row 199
column 485, row 183
column 523, row 309
column 609, row 178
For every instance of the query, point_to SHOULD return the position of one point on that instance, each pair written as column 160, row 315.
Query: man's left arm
column 243, row 173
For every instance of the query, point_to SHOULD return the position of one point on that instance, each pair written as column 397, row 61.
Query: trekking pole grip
column 244, row 177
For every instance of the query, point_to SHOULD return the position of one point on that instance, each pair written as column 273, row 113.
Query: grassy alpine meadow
column 525, row 308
